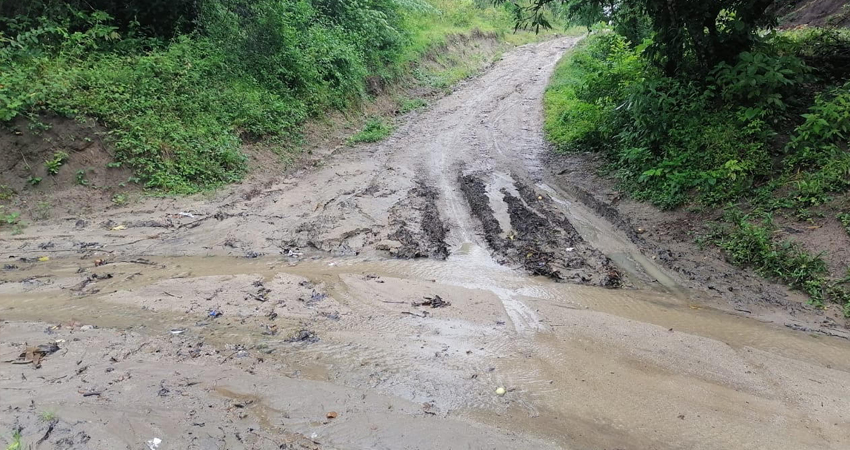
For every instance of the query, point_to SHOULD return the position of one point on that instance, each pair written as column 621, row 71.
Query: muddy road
column 380, row 298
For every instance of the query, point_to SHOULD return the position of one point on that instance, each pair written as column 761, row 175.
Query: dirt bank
column 380, row 297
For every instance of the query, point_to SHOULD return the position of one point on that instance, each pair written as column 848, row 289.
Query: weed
column 119, row 199
column 6, row 193
column 16, row 441
column 412, row 104
column 33, row 180
column 749, row 241
column 53, row 164
column 81, row 178
column 844, row 218
column 42, row 211
column 375, row 130
column 47, row 416
column 10, row 218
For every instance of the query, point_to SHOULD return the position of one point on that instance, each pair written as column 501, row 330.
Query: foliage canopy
column 685, row 33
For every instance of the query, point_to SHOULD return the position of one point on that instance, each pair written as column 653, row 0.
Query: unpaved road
column 323, row 341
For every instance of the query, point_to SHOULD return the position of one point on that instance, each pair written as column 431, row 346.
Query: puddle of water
column 471, row 269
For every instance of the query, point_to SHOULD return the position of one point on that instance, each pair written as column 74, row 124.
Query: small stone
column 332, row 415
column 500, row 391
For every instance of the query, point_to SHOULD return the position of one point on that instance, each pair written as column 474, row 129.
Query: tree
column 686, row 33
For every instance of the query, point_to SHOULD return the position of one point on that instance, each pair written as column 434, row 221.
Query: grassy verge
column 767, row 134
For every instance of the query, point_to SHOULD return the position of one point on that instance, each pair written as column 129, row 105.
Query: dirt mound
column 816, row 13
column 57, row 165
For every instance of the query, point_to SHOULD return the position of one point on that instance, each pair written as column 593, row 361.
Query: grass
column 16, row 441
column 47, row 416
column 375, row 130
column 411, row 104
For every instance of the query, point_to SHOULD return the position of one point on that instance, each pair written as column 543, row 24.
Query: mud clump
column 476, row 195
column 306, row 336
column 542, row 241
column 429, row 241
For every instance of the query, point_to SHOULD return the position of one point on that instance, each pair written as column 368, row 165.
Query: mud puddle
column 561, row 350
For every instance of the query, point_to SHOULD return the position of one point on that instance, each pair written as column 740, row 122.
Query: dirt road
column 381, row 299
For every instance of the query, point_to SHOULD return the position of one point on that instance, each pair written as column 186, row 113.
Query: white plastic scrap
column 153, row 444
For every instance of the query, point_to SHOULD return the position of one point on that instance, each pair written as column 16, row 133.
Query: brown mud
column 303, row 315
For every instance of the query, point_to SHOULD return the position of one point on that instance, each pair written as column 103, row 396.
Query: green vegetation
column 181, row 85
column 53, row 164
column 375, row 130
column 8, row 218
column 690, row 115
column 81, row 178
column 750, row 242
column 16, row 441
column 47, row 416
column 119, row 199
column 844, row 218
column 412, row 104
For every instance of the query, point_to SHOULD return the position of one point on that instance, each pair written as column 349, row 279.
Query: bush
column 666, row 137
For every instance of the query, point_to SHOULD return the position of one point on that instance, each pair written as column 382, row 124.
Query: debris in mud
column 332, row 415
column 214, row 313
column 93, row 278
column 34, row 355
column 153, row 444
column 27, row 260
column 332, row 316
column 500, row 391
column 100, row 262
column 262, row 292
column 149, row 224
column 304, row 336
column 9, row 267
column 315, row 297
column 374, row 277
column 250, row 254
column 434, row 302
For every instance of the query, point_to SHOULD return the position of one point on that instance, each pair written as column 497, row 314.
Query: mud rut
column 319, row 280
